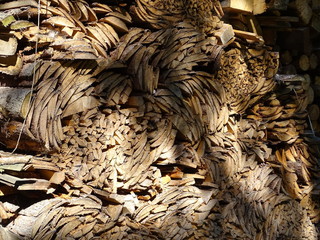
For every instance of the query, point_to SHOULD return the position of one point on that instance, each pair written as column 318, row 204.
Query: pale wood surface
column 159, row 120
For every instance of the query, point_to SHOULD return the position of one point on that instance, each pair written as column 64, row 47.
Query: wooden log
column 310, row 95
column 248, row 36
column 8, row 46
column 259, row 6
column 303, row 9
column 238, row 5
column 133, row 158
column 14, row 101
column 247, row 6
column 11, row 65
column 278, row 4
column 9, row 133
column 18, row 4
column 225, row 34
column 304, row 62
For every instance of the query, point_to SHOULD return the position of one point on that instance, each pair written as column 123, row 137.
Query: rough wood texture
column 156, row 120
column 304, row 10
column 14, row 102
column 8, row 47
column 243, row 6
column 248, row 6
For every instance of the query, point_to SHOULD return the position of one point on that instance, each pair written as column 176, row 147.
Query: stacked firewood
column 66, row 30
column 152, row 120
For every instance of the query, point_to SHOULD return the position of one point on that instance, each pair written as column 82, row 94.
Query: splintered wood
column 152, row 120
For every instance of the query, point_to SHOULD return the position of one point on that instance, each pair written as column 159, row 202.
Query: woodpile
column 158, row 120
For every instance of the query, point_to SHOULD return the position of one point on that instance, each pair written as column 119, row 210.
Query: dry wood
column 18, row 4
column 225, row 34
column 14, row 101
column 245, row 6
column 178, row 129
column 303, row 9
column 252, row 6
column 304, row 63
column 8, row 47
column 248, row 35
column 259, row 6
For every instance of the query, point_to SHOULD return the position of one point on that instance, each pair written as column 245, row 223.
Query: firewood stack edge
column 159, row 119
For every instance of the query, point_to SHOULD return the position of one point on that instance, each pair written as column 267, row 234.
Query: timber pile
column 153, row 120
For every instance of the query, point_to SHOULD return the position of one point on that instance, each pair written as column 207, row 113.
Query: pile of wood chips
column 155, row 119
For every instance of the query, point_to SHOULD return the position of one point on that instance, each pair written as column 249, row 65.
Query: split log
column 225, row 34
column 252, row 6
column 8, row 47
column 162, row 128
column 245, row 6
column 14, row 102
column 304, row 63
column 59, row 31
column 248, row 36
column 10, row 65
column 303, row 9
